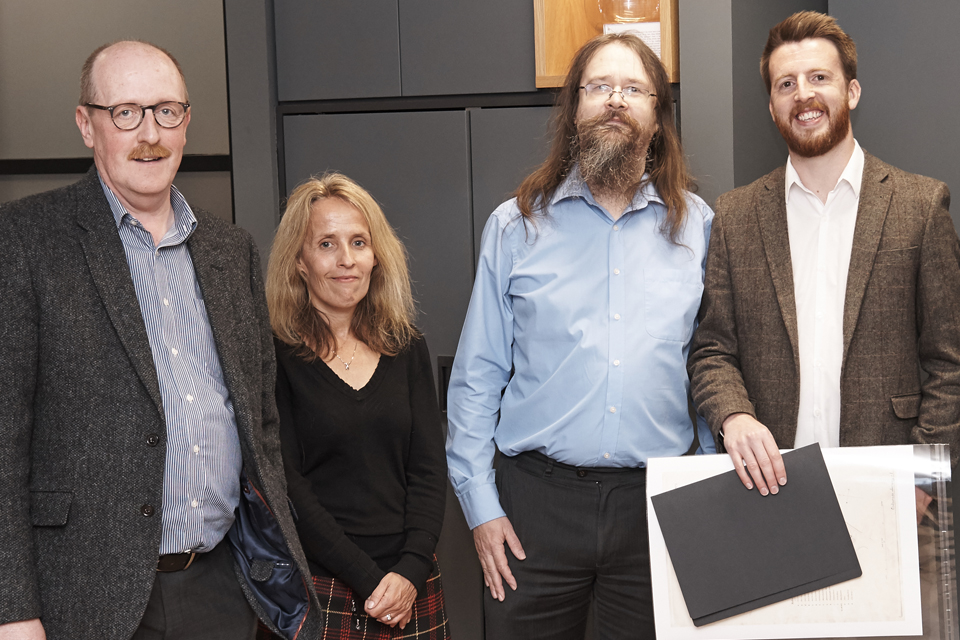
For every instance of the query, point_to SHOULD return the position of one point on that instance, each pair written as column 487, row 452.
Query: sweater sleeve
column 426, row 472
column 323, row 540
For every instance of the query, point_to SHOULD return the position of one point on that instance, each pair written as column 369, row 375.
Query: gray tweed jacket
column 79, row 402
column 900, row 381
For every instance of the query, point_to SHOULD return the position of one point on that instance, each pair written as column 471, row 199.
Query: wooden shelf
column 562, row 26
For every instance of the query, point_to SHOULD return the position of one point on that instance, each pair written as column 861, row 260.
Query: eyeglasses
column 168, row 115
column 605, row 92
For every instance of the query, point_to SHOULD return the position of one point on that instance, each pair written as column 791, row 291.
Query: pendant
column 346, row 365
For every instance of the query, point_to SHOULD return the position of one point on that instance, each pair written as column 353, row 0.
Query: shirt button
column 816, row 413
column 616, row 272
column 189, row 398
column 606, row 455
column 613, row 409
column 174, row 351
column 166, row 302
column 616, row 228
column 153, row 440
column 196, row 448
column 616, row 363
column 616, row 316
column 147, row 510
column 194, row 504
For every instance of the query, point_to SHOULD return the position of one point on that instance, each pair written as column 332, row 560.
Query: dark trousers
column 202, row 602
column 584, row 531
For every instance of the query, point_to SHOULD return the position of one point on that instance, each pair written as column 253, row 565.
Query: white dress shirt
column 821, row 239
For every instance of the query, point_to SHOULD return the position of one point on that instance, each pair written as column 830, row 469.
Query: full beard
column 813, row 146
column 612, row 160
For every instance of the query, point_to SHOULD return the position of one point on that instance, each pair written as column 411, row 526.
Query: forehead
column 138, row 73
column 804, row 56
column 330, row 214
column 615, row 61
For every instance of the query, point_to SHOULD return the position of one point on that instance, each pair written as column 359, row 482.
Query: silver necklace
column 346, row 365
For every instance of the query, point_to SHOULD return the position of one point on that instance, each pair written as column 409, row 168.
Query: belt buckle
column 171, row 562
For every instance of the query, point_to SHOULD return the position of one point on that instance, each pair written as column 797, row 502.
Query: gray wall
column 43, row 44
column 909, row 68
column 728, row 134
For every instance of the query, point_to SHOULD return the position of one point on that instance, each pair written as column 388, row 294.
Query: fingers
column 489, row 539
column 754, row 452
column 391, row 602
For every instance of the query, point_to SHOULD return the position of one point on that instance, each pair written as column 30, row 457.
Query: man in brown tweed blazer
column 831, row 310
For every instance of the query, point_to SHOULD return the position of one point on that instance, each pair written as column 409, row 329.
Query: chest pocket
column 671, row 302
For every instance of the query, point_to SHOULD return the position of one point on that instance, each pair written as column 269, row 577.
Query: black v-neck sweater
column 366, row 469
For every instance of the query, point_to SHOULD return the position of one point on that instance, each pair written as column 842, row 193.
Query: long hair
column 805, row 25
column 383, row 319
column 665, row 162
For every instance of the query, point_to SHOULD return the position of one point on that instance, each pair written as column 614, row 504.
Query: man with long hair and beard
column 832, row 283
column 572, row 357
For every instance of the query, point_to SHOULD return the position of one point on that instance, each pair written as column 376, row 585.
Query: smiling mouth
column 809, row 116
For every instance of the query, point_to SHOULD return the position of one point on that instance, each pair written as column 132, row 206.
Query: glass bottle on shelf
column 626, row 11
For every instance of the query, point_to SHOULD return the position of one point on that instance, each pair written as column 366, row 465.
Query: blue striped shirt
column 201, row 484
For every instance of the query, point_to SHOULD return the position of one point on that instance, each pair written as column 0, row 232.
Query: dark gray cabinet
column 466, row 46
column 505, row 146
column 337, row 49
column 416, row 165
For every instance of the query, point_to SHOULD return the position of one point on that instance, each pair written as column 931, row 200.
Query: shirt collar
column 184, row 221
column 852, row 173
column 574, row 186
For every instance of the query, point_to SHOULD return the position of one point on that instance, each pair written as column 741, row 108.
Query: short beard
column 811, row 147
column 611, row 160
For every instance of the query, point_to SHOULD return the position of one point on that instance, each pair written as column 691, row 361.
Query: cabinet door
column 415, row 165
column 337, row 49
column 466, row 46
column 506, row 146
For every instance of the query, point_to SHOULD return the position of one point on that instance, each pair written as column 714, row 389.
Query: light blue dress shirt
column 201, row 478
column 594, row 316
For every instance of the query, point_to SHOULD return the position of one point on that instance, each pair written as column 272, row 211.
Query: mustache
column 813, row 104
column 145, row 150
column 603, row 120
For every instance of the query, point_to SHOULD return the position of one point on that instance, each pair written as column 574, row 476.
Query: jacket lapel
column 875, row 197
column 772, row 217
column 217, row 287
column 111, row 276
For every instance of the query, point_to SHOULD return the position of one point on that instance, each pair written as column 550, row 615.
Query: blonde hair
column 383, row 319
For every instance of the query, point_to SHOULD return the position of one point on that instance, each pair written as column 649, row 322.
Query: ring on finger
column 388, row 617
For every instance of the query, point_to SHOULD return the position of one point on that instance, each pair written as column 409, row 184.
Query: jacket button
column 153, row 439
column 147, row 510
column 581, row 473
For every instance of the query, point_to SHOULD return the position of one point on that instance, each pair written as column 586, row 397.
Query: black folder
column 734, row 550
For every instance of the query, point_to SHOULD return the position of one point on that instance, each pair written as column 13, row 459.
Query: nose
column 804, row 90
column 615, row 99
column 346, row 257
column 149, row 130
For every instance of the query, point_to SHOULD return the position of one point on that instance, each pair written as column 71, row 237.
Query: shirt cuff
column 481, row 504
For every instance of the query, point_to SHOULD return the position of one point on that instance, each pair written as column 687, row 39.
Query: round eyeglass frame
column 143, row 112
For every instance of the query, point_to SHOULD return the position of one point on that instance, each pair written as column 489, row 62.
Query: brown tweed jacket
column 900, row 381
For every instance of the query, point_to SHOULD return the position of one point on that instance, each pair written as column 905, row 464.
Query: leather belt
column 176, row 561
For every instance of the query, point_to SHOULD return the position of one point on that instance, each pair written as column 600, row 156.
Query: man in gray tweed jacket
column 831, row 310
column 136, row 383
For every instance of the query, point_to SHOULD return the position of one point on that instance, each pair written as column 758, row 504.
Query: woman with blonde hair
column 359, row 423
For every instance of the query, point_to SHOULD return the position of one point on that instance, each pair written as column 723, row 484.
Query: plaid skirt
column 344, row 617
